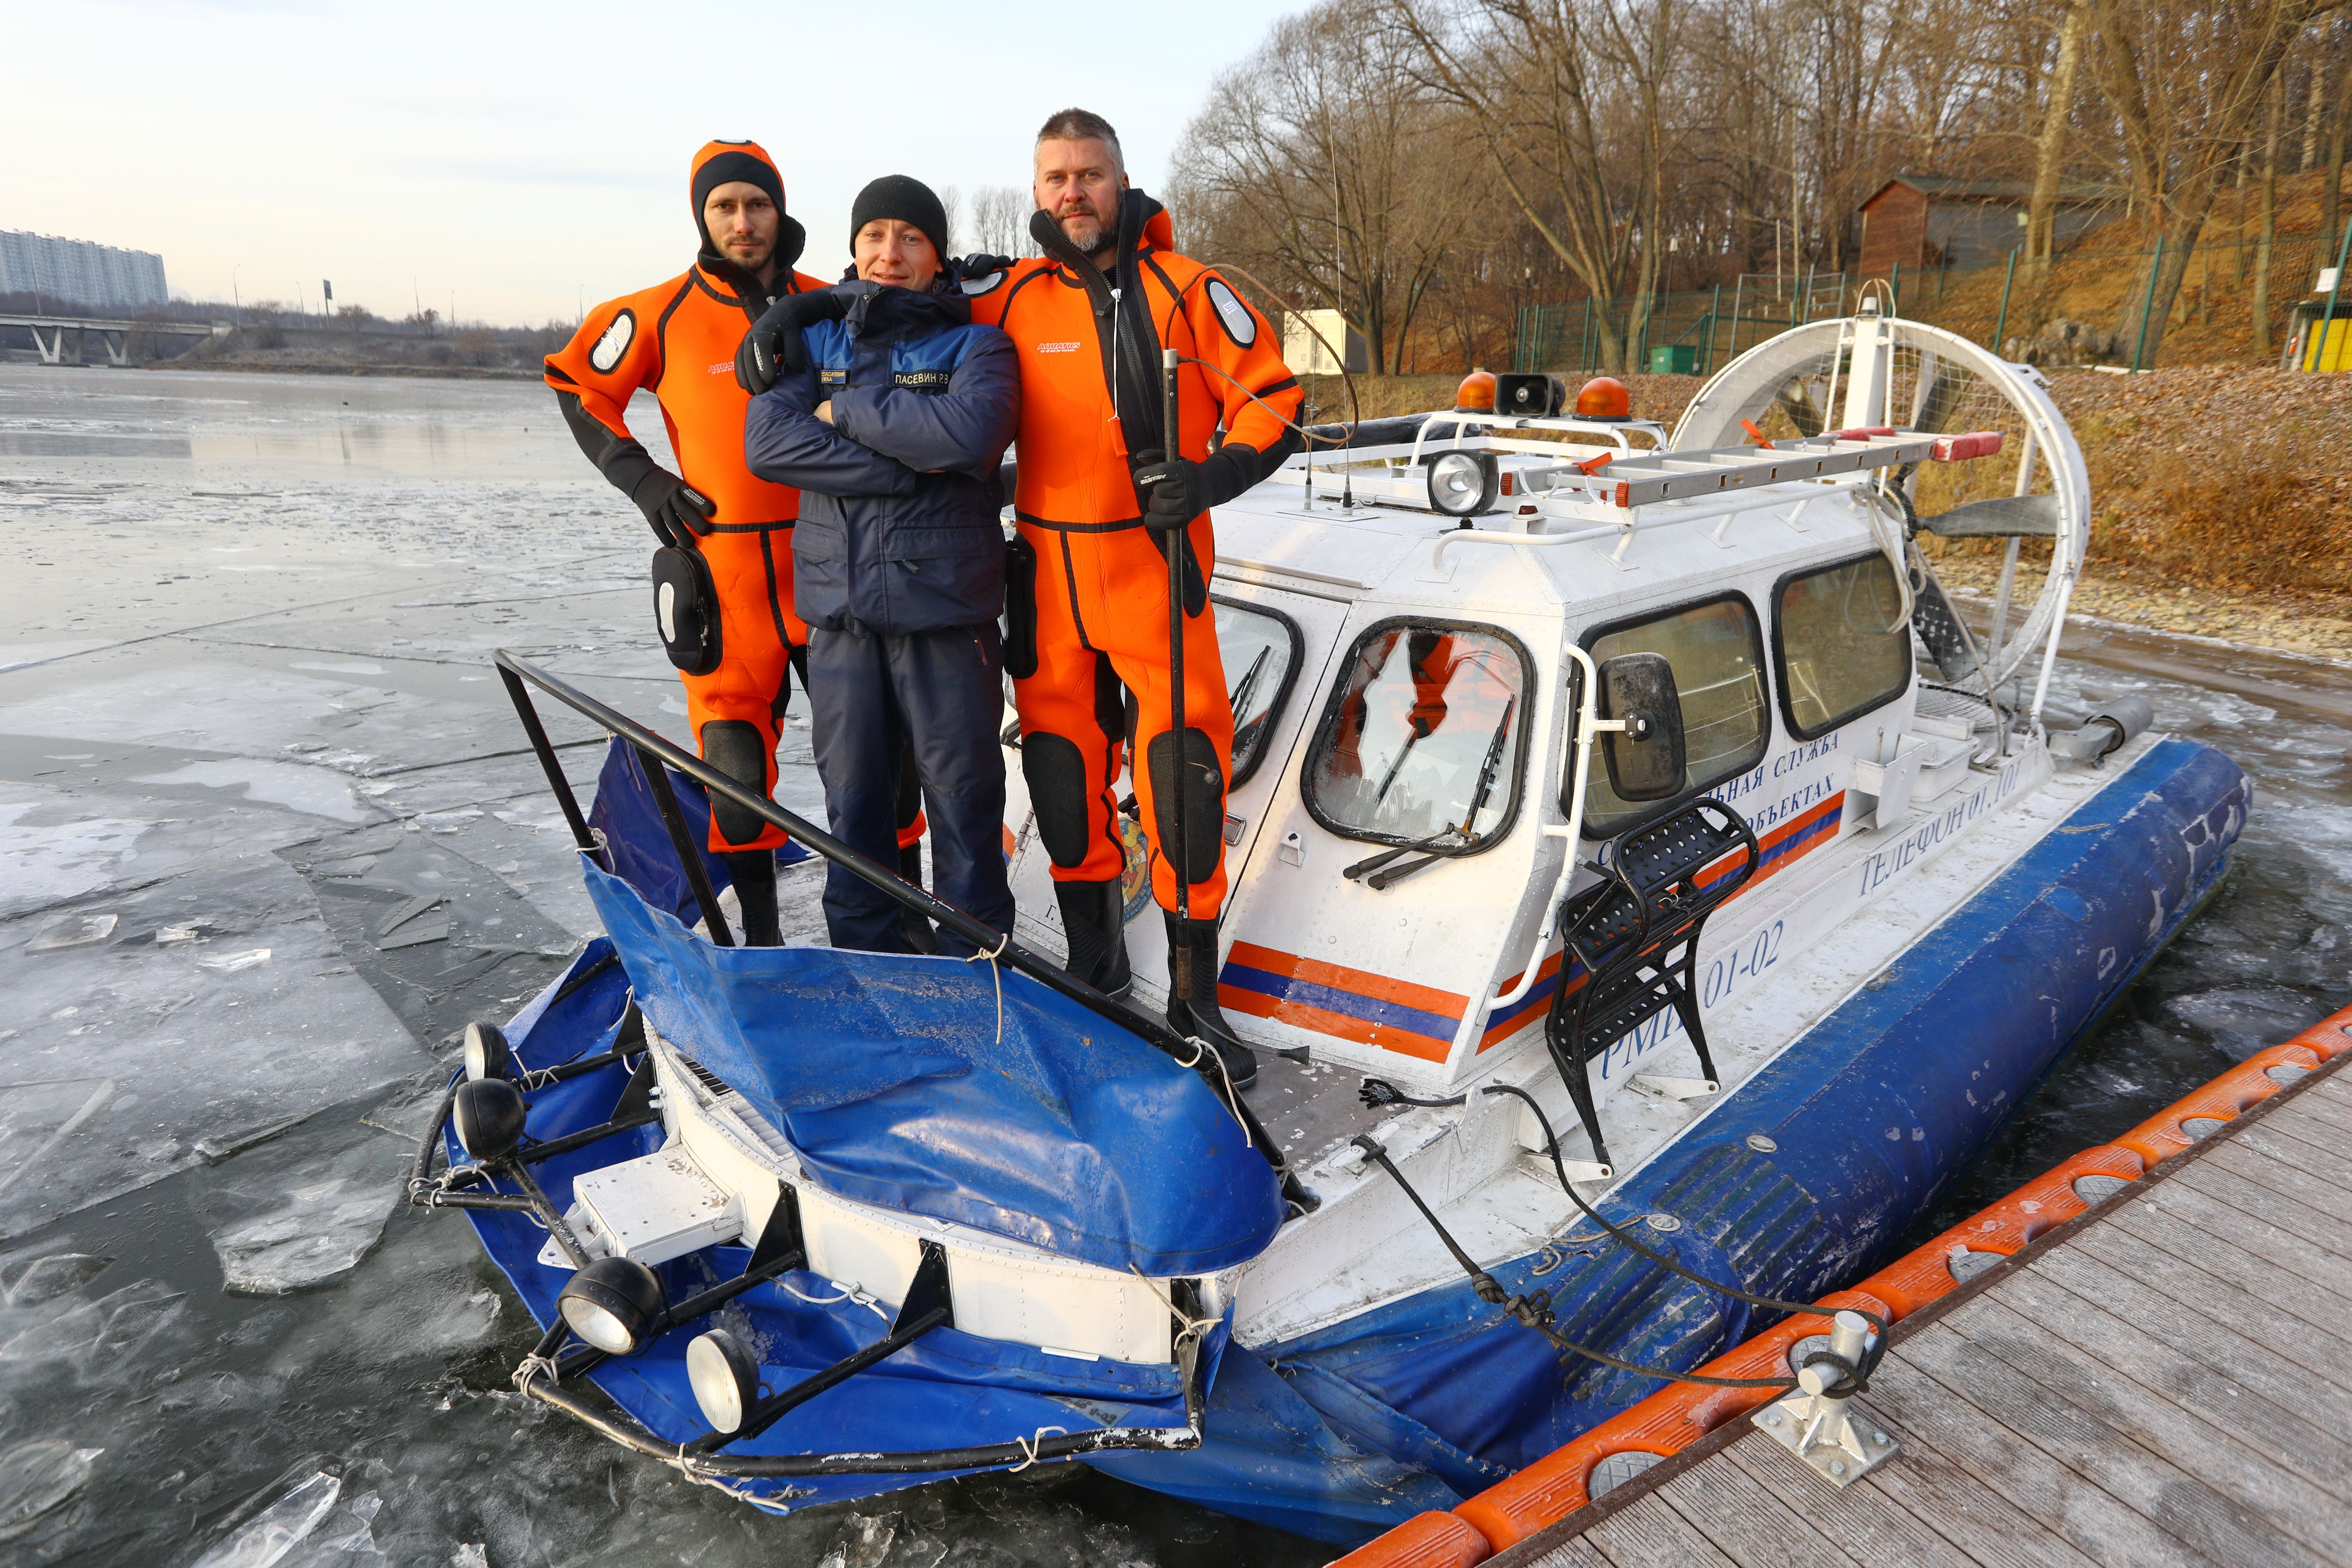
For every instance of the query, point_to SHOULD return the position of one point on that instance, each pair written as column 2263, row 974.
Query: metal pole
column 1895, row 291
column 2146, row 304
column 1584, row 339
column 1738, row 293
column 1181, row 861
column 689, row 861
column 536, row 733
column 1714, row 308
column 2001, row 324
column 2328, row 322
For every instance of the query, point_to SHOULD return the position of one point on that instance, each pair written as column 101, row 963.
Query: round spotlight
column 1477, row 393
column 724, row 1377
column 487, row 1055
column 489, row 1115
column 1462, row 484
column 612, row 1304
column 1604, row 398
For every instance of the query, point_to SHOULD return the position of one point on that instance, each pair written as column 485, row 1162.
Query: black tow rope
column 1534, row 1309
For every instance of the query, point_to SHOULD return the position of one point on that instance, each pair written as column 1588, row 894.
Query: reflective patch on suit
column 976, row 285
column 615, row 343
column 1239, row 324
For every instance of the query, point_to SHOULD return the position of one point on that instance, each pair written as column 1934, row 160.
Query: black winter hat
column 906, row 199
column 751, row 166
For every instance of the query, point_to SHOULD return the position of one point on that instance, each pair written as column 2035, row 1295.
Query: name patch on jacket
column 933, row 381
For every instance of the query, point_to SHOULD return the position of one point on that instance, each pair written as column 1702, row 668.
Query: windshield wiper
column 1369, row 869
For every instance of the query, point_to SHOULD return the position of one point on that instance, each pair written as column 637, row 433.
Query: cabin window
column 1423, row 738
column 1843, row 645
column 1262, row 649
column 1716, row 649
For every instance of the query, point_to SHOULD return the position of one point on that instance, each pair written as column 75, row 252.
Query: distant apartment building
column 80, row 272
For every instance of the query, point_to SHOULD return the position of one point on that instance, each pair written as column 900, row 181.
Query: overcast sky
column 523, row 158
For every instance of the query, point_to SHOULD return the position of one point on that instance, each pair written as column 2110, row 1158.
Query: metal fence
column 2106, row 294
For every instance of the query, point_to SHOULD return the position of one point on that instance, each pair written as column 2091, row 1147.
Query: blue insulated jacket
column 898, row 530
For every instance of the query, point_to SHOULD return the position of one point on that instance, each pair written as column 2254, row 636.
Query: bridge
column 116, row 334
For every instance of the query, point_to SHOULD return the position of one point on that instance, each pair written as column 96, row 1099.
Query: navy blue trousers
column 941, row 694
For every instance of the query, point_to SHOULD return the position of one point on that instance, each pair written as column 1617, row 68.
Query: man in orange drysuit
column 1100, row 500
column 738, row 524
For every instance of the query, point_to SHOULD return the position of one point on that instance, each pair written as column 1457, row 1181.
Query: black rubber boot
column 1194, row 944
column 753, row 872
column 1097, row 935
column 919, row 935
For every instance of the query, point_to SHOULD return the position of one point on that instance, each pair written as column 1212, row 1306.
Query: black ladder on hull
column 1636, row 934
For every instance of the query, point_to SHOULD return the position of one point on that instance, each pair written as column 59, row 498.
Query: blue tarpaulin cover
column 637, row 843
column 890, row 1078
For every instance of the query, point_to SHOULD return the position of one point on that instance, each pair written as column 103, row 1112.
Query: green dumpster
column 1673, row 359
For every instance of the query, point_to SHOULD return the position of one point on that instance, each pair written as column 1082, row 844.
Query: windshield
column 1260, row 649
column 1422, row 741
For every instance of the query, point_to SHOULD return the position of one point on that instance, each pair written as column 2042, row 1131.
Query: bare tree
column 2050, row 144
column 999, row 221
column 952, row 203
column 1321, row 163
column 2188, row 81
column 2259, row 303
column 1566, row 97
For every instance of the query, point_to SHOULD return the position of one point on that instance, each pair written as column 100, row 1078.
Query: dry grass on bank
column 2221, row 497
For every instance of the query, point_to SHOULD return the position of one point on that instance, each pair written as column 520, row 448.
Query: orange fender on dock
column 1679, row 1415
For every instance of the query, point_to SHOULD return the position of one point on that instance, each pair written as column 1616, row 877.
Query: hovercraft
column 1629, row 838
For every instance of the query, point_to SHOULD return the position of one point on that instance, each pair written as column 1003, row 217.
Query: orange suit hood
column 718, row 164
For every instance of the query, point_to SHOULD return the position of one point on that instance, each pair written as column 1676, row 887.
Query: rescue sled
column 1615, row 816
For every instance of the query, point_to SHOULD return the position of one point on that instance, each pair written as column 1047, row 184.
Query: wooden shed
column 1929, row 220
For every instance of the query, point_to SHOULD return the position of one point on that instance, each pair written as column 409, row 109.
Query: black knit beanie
column 906, row 199
column 728, row 167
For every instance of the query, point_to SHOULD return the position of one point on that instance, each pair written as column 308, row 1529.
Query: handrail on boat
column 1004, row 948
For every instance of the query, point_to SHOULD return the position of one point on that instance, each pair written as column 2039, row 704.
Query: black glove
column 675, row 509
column 979, row 264
column 1172, row 489
column 1176, row 491
column 773, row 349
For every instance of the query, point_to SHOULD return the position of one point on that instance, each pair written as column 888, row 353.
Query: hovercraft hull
column 1799, row 1180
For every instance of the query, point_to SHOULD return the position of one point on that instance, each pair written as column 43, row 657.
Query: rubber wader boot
column 920, row 936
column 1097, row 935
column 753, row 872
column 1194, row 944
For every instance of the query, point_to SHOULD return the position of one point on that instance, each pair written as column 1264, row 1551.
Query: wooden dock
column 2167, row 1378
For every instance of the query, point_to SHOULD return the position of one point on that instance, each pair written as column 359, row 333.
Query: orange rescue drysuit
column 677, row 341
column 1089, row 606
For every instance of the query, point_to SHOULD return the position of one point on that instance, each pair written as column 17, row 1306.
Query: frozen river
column 247, row 731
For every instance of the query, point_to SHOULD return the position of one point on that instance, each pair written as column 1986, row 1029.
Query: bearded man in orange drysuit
column 678, row 340
column 1104, row 495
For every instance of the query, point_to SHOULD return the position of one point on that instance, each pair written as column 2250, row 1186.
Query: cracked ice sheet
column 48, row 864
column 115, row 1058
column 283, row 1219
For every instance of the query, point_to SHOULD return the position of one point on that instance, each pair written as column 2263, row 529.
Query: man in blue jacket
column 890, row 413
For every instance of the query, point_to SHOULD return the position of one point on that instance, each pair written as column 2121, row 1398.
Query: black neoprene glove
column 1178, row 490
column 773, row 349
column 979, row 264
column 677, row 510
